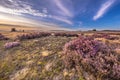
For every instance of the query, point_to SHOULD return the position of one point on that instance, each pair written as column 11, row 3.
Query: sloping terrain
column 41, row 59
column 38, row 59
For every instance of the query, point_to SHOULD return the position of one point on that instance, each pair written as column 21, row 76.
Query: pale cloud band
column 14, row 14
column 65, row 10
column 20, row 10
column 63, row 19
column 103, row 9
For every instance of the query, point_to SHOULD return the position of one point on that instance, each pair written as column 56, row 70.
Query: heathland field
column 34, row 55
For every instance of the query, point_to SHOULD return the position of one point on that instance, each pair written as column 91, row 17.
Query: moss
column 6, row 68
column 81, row 78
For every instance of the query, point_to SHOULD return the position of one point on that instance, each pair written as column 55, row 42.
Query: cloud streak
column 63, row 8
column 64, row 11
column 17, row 9
column 62, row 19
column 103, row 9
column 21, row 21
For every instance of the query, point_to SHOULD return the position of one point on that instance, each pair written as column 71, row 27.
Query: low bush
column 13, row 30
column 87, row 55
column 66, row 34
column 33, row 35
column 11, row 44
column 2, row 37
column 104, row 35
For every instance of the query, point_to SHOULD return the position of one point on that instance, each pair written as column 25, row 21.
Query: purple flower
column 92, row 56
column 2, row 37
column 11, row 44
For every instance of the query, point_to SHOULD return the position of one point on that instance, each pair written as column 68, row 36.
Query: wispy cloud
column 103, row 9
column 10, row 0
column 63, row 19
column 17, row 20
column 63, row 8
column 64, row 13
column 16, row 8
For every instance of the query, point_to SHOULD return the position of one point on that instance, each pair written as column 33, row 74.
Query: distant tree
column 13, row 30
column 82, row 34
column 94, row 30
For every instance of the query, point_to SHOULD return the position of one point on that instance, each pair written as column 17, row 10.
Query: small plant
column 13, row 30
column 93, row 57
column 33, row 35
column 66, row 34
column 2, row 37
column 94, row 30
column 104, row 35
column 11, row 44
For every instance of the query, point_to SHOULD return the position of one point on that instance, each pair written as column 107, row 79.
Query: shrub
column 11, row 44
column 66, row 34
column 33, row 35
column 112, row 37
column 59, row 34
column 94, row 30
column 104, row 35
column 71, row 35
column 93, row 57
column 2, row 37
column 13, row 30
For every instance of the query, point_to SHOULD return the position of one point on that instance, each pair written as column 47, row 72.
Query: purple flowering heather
column 11, row 44
column 66, row 34
column 83, row 46
column 84, row 53
column 116, row 71
column 33, row 35
column 104, row 35
column 2, row 37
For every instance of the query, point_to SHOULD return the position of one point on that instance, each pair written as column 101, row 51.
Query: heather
column 65, row 34
column 2, row 37
column 11, row 44
column 32, row 56
column 33, row 35
column 92, row 57
column 105, row 35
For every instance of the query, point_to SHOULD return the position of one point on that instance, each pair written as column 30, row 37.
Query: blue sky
column 62, row 14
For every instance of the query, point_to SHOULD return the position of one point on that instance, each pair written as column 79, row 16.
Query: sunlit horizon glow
column 17, row 20
column 62, row 14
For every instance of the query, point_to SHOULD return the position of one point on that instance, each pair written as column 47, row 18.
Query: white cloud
column 45, row 10
column 8, row 10
column 14, row 12
column 62, row 19
column 63, row 8
column 20, row 8
column 103, row 9
column 18, row 20
column 10, row 0
column 64, row 12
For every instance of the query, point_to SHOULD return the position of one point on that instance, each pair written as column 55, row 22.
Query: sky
column 62, row 14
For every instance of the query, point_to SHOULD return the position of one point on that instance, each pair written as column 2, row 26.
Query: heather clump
column 33, row 35
column 66, row 34
column 11, row 44
column 104, row 35
column 87, row 55
column 2, row 37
